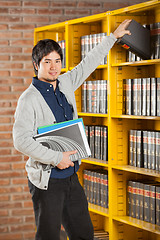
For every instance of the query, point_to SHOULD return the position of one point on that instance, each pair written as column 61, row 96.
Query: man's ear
column 35, row 66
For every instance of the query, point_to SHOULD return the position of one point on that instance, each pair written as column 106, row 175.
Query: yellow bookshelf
column 114, row 220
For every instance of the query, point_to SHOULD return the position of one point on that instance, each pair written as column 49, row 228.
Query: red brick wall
column 18, row 18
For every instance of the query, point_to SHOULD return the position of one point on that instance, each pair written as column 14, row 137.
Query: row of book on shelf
column 143, row 199
column 88, row 42
column 144, row 149
column 96, row 187
column 141, row 96
column 98, row 141
column 94, row 96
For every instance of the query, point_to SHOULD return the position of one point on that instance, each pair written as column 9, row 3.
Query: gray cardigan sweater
column 32, row 112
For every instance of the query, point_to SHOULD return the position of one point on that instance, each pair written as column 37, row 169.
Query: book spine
column 129, row 197
column 124, row 97
column 153, row 97
column 137, row 200
column 134, row 148
column 94, row 96
column 105, row 148
column 145, row 149
column 158, row 205
column 148, row 97
column 153, row 150
column 102, row 142
column 82, row 47
column 139, row 149
column 84, row 97
column 152, row 214
column 144, row 97
column 133, row 202
column 158, row 96
column 149, row 150
column 157, row 151
column 146, row 202
column 139, row 96
column 98, row 96
column 89, row 96
column 135, row 96
column 129, row 100
column 131, row 140
column 141, row 193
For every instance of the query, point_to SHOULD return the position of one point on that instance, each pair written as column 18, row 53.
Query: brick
column 6, row 143
column 22, row 73
column 10, row 3
column 21, row 58
column 79, row 12
column 5, row 136
column 21, row 212
column 36, row 19
column 22, row 197
column 29, row 219
column 10, row 50
column 5, row 119
column 19, row 166
column 5, row 166
column 21, row 228
column 22, row 26
column 63, row 4
column 114, row 5
column 4, row 10
column 5, row 104
column 10, row 65
column 21, row 42
column 19, row 88
column 10, row 35
column 4, row 182
column 19, row 181
column 5, row 152
column 4, row 58
column 3, row 26
column 28, row 204
column 38, row 4
column 4, row 198
column 89, row 4
column 5, row 88
column 4, row 42
column 21, row 11
column 9, row 19
column 11, row 236
column 4, row 229
column 11, row 205
column 50, row 11
column 10, row 158
column 3, row 213
column 30, row 235
column 6, row 111
column 4, row 73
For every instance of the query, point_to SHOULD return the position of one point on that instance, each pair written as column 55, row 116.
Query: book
column 65, row 136
column 139, row 40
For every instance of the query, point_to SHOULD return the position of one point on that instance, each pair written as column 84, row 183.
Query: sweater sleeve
column 23, row 135
column 93, row 59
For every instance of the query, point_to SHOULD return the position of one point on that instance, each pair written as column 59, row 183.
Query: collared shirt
column 62, row 111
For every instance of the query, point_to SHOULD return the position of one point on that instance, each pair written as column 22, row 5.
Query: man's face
column 50, row 67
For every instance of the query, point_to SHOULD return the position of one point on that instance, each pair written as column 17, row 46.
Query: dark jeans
column 63, row 203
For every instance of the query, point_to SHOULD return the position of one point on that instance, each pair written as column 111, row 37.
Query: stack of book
column 65, row 136
column 144, row 201
column 141, row 96
column 88, row 42
column 96, row 187
column 101, row 235
column 94, row 96
column 98, row 141
column 144, row 149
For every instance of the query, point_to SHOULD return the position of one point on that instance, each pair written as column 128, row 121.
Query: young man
column 57, row 195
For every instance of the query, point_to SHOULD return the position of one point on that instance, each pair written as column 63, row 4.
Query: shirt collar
column 41, row 84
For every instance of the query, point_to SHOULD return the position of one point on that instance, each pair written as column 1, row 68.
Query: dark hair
column 42, row 49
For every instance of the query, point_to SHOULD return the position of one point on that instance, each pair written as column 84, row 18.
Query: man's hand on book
column 121, row 29
column 66, row 162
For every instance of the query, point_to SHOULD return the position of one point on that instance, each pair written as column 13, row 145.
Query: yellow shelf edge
column 136, row 7
column 95, row 161
column 92, row 114
column 138, row 223
column 144, row 171
column 137, row 63
column 136, row 117
column 99, row 210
